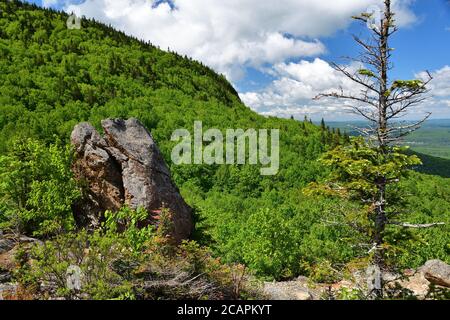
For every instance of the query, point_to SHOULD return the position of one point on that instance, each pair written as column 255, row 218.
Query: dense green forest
column 52, row 78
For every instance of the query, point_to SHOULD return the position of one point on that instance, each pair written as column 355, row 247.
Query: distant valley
column 432, row 139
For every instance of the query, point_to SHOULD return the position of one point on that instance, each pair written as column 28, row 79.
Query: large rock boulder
column 102, row 174
column 125, row 167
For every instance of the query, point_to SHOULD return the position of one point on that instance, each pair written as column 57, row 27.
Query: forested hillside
column 52, row 78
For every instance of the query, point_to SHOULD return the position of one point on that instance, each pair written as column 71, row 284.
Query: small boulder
column 437, row 272
column 288, row 290
column 5, row 276
column 417, row 285
column 6, row 244
column 7, row 256
column 419, row 282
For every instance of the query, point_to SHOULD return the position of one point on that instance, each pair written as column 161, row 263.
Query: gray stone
column 125, row 168
column 74, row 278
column 6, row 245
column 288, row 290
column 437, row 272
column 374, row 279
column 100, row 173
column 5, row 276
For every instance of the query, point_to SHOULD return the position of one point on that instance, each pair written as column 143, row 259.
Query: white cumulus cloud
column 439, row 96
column 440, row 85
column 297, row 84
column 234, row 34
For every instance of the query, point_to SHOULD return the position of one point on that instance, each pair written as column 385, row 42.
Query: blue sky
column 425, row 45
column 276, row 54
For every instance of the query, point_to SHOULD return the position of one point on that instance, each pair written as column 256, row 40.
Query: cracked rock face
column 125, row 167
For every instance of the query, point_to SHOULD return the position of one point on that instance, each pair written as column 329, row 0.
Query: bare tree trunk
column 380, row 201
column 378, row 238
column 381, row 102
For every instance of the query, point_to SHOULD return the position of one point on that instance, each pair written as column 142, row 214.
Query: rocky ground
column 419, row 284
column 9, row 245
column 424, row 283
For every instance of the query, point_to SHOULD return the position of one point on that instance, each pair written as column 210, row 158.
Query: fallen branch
column 374, row 248
column 417, row 226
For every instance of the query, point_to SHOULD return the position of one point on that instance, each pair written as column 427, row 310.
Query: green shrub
column 120, row 261
column 37, row 188
column 350, row 294
column 100, row 259
column 128, row 222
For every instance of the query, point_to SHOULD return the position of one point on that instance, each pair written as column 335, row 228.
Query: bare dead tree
column 383, row 103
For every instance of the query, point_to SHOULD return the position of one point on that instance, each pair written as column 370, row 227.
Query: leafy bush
column 101, row 260
column 128, row 222
column 37, row 188
column 123, row 262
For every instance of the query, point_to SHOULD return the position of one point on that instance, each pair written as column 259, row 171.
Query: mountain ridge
column 52, row 78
